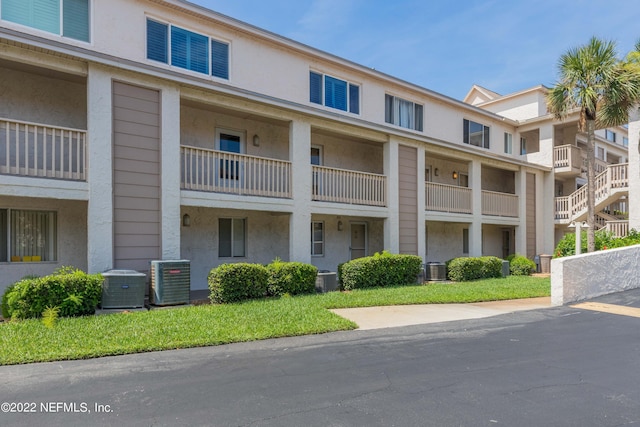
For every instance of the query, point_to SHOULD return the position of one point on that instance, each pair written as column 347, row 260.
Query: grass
column 96, row 336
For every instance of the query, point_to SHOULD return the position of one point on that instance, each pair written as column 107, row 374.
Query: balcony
column 42, row 151
column 224, row 172
column 567, row 160
column 499, row 204
column 347, row 186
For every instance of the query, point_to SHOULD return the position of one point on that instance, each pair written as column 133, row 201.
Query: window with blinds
column 28, row 236
column 67, row 18
column 186, row 49
column 333, row 92
column 403, row 113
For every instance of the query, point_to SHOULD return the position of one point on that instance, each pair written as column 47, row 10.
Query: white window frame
column 609, row 135
column 395, row 106
column 51, row 240
column 232, row 240
column 508, row 143
column 314, row 241
column 348, row 93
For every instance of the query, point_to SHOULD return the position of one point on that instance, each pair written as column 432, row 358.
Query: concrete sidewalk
column 405, row 315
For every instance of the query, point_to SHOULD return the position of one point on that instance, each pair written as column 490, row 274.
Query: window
column 27, row 236
column 46, row 15
column 232, row 237
column 523, row 146
column 317, row 238
column 400, row 112
column 600, row 153
column 230, row 142
column 334, row 93
column 316, row 155
column 625, row 141
column 609, row 135
column 475, row 133
column 185, row 49
column 508, row 143
column 465, row 240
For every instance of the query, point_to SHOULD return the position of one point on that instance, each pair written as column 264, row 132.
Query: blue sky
column 447, row 46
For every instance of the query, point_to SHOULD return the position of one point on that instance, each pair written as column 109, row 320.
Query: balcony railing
column 37, row 150
column 618, row 228
column 567, row 158
column 447, row 198
column 223, row 172
column 346, row 186
column 499, row 204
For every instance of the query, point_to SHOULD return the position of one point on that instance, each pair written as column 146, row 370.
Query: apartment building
column 136, row 130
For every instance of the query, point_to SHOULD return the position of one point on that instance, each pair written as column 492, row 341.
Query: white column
column 392, row 222
column 475, row 230
column 99, row 170
column 422, row 217
column 634, row 169
column 521, row 229
column 300, row 220
column 170, row 177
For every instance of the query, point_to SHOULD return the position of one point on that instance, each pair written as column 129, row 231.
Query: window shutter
column 179, row 47
column 219, row 59
column 354, row 99
column 486, row 137
column 388, row 108
column 41, row 14
column 315, row 87
column 189, row 50
column 419, row 111
column 335, row 93
column 157, row 41
column 75, row 19
column 465, row 131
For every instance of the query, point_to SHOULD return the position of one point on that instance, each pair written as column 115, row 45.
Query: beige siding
column 531, row 215
column 136, row 176
column 408, row 192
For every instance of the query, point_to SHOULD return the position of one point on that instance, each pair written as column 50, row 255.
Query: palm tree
column 603, row 88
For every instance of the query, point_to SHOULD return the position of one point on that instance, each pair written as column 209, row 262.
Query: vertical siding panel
column 531, row 215
column 136, row 177
column 408, row 192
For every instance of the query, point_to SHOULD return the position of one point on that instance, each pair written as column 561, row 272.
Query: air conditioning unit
column 170, row 282
column 123, row 289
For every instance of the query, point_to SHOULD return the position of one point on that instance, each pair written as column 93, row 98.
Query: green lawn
column 182, row 327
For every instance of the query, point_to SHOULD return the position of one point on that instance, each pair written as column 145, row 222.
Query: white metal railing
column 447, row 198
column 346, row 186
column 567, row 156
column 499, row 204
column 223, row 172
column 37, row 150
column 613, row 178
column 618, row 228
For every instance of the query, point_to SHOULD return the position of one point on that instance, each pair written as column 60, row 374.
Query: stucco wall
column 36, row 98
column 444, row 241
column 344, row 153
column 337, row 242
column 267, row 237
column 198, row 129
column 590, row 275
column 71, row 238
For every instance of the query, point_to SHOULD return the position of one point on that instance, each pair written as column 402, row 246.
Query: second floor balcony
column 456, row 199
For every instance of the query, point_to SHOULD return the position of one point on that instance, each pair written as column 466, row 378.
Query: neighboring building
column 140, row 130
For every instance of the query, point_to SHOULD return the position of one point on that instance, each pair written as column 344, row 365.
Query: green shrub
column 473, row 268
column 381, row 269
column 291, row 278
column 604, row 240
column 521, row 266
column 72, row 291
column 237, row 282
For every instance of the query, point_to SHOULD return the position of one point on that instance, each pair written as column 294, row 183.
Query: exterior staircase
column 611, row 185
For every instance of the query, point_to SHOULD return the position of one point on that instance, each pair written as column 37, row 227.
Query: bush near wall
column 521, row 266
column 72, row 291
column 237, row 282
column 381, row 269
column 291, row 278
column 604, row 240
column 473, row 268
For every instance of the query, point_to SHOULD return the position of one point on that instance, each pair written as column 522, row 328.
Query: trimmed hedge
column 237, row 282
column 291, row 278
column 473, row 268
column 521, row 266
column 72, row 291
column 380, row 270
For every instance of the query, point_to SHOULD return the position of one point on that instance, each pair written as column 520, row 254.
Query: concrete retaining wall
column 590, row 275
